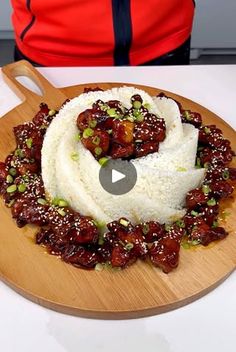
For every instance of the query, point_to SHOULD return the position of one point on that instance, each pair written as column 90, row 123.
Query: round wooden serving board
column 141, row 290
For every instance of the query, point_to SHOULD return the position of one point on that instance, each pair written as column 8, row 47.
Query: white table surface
column 208, row 324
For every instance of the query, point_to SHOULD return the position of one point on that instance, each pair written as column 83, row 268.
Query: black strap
column 123, row 31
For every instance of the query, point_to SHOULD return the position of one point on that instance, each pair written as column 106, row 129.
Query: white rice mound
column 163, row 178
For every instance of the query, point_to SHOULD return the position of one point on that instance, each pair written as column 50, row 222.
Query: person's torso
column 99, row 32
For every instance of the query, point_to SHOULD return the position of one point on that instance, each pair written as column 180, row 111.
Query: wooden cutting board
column 138, row 291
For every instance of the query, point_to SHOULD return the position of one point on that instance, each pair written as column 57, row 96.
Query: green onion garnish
column 93, row 123
column 12, row 171
column 21, row 188
column 145, row 229
column 137, row 104
column 29, row 142
column 207, row 130
column 78, row 137
column 187, row 115
column 9, row 179
column 180, row 223
column 112, row 112
column 96, row 140
column 11, row 189
column 194, row 213
column 181, row 169
column 211, row 202
column 98, row 151
column 74, row 156
column 147, row 106
column 62, row 203
column 225, row 174
column 103, row 161
column 206, row 189
column 215, row 224
column 139, row 118
column 19, row 152
column 52, row 112
column 55, row 201
column 61, row 211
column 124, row 222
column 88, row 132
column 129, row 246
column 41, row 201
column 167, row 227
column 99, row 267
column 130, row 118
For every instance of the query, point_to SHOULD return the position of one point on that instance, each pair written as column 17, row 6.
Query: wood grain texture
column 138, row 291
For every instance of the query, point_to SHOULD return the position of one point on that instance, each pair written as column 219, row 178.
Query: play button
column 118, row 176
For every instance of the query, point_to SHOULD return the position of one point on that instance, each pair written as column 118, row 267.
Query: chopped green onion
column 99, row 267
column 9, row 179
column 207, row 130
column 180, row 223
column 11, row 189
column 124, row 222
column 187, row 115
column 137, row 104
column 185, row 245
column 225, row 174
column 93, row 123
column 78, row 137
column 139, row 118
column 206, row 165
column 96, row 140
column 21, row 188
column 194, row 213
column 206, row 189
column 19, row 152
column 109, row 131
column 167, row 227
column 112, row 112
column 55, row 201
column 103, row 161
column 62, row 203
column 74, row 156
column 12, row 171
column 29, row 142
column 98, row 151
column 181, row 169
column 145, row 229
column 104, row 107
column 52, row 112
column 41, row 201
column 136, row 113
column 129, row 246
column 61, row 212
column 88, row 132
column 195, row 242
column 147, row 106
column 215, row 224
column 130, row 118
column 101, row 239
column 211, row 202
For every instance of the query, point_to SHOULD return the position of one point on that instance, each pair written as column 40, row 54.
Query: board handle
column 24, row 68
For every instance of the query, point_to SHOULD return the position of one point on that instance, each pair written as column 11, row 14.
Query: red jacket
column 100, row 32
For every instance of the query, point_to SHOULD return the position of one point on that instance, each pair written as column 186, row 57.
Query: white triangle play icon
column 117, row 176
